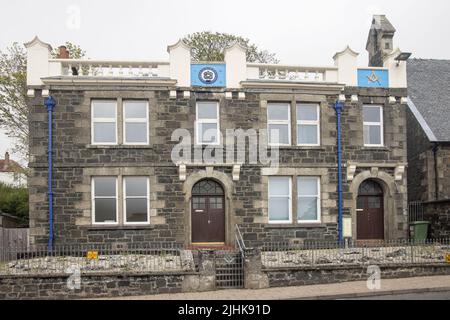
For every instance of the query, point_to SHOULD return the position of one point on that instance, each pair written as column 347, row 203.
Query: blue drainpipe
column 339, row 106
column 50, row 104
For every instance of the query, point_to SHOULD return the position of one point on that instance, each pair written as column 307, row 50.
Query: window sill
column 295, row 225
column 320, row 148
column 119, row 227
column 374, row 148
column 118, row 146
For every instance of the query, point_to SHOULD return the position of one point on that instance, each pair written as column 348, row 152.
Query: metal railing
column 276, row 255
column 96, row 259
column 240, row 244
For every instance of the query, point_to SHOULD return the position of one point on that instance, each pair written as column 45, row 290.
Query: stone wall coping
column 437, row 201
column 355, row 266
column 99, row 274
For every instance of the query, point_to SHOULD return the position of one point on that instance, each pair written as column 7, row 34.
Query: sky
column 298, row 31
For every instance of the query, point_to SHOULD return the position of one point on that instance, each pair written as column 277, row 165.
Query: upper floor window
column 373, row 125
column 308, row 124
column 207, row 129
column 136, row 200
column 104, row 123
column 135, row 125
column 104, row 200
column 280, row 204
column 279, row 123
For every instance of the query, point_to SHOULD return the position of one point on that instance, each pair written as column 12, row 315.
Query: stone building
column 115, row 179
column 428, row 118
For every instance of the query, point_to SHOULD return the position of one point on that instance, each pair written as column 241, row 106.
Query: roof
column 429, row 91
column 10, row 166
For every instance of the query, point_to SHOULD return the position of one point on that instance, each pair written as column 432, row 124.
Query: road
column 440, row 295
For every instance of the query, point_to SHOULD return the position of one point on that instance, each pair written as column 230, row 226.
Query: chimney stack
column 380, row 40
column 63, row 53
column 6, row 159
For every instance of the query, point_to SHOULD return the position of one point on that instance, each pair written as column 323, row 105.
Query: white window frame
column 135, row 120
column 282, row 122
column 125, row 197
column 198, row 121
column 93, row 197
column 103, row 120
column 278, row 196
column 319, row 201
column 309, row 122
column 380, row 124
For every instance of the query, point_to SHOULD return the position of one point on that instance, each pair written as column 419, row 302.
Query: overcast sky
column 298, row 31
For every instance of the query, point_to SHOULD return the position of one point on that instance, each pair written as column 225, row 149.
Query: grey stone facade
column 76, row 161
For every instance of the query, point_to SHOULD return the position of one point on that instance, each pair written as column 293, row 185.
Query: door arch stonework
column 228, row 187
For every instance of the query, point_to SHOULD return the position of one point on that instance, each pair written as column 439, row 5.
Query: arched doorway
column 370, row 211
column 208, row 212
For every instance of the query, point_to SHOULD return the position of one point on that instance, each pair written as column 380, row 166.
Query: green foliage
column 14, row 201
column 75, row 51
column 209, row 46
column 13, row 93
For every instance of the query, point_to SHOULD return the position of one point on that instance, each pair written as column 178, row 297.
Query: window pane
column 199, row 203
column 278, row 111
column 136, row 210
column 279, row 133
column 279, row 186
column 136, row 186
column 278, row 209
column 307, row 112
column 372, row 135
column 371, row 114
column 207, row 110
column 105, row 210
column 208, row 132
column 105, row 187
column 307, row 134
column 136, row 132
column 104, row 132
column 307, row 208
column 104, row 109
column 307, row 186
column 135, row 109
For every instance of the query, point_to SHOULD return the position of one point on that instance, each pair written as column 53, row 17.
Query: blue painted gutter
column 339, row 106
column 50, row 104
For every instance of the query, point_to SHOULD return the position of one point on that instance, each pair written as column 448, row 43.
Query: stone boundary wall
column 321, row 275
column 438, row 214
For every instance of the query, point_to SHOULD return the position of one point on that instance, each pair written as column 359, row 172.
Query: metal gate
column 229, row 266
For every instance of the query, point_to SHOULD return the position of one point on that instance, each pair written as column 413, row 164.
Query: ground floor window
column 280, row 200
column 107, row 206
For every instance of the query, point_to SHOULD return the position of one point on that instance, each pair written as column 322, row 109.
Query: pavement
column 346, row 290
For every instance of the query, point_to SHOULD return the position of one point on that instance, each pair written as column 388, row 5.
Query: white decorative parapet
column 108, row 68
column 261, row 71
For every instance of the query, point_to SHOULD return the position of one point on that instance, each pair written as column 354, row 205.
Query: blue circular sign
column 208, row 75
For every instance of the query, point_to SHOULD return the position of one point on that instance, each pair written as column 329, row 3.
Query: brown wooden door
column 208, row 212
column 370, row 212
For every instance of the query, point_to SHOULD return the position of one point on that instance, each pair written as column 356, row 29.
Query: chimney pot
column 63, row 53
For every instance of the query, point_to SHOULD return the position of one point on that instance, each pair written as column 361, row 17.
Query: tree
column 208, row 46
column 13, row 93
column 14, row 200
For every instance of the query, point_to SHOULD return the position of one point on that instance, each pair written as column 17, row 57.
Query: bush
column 14, row 201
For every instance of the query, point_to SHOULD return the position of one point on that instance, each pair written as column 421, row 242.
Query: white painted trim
column 125, row 197
column 309, row 122
column 279, row 122
column 93, row 197
column 201, row 121
column 380, row 124
column 319, row 200
column 135, row 120
column 105, row 120
column 422, row 122
column 289, row 195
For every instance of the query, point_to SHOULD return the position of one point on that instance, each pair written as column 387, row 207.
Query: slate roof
column 429, row 90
